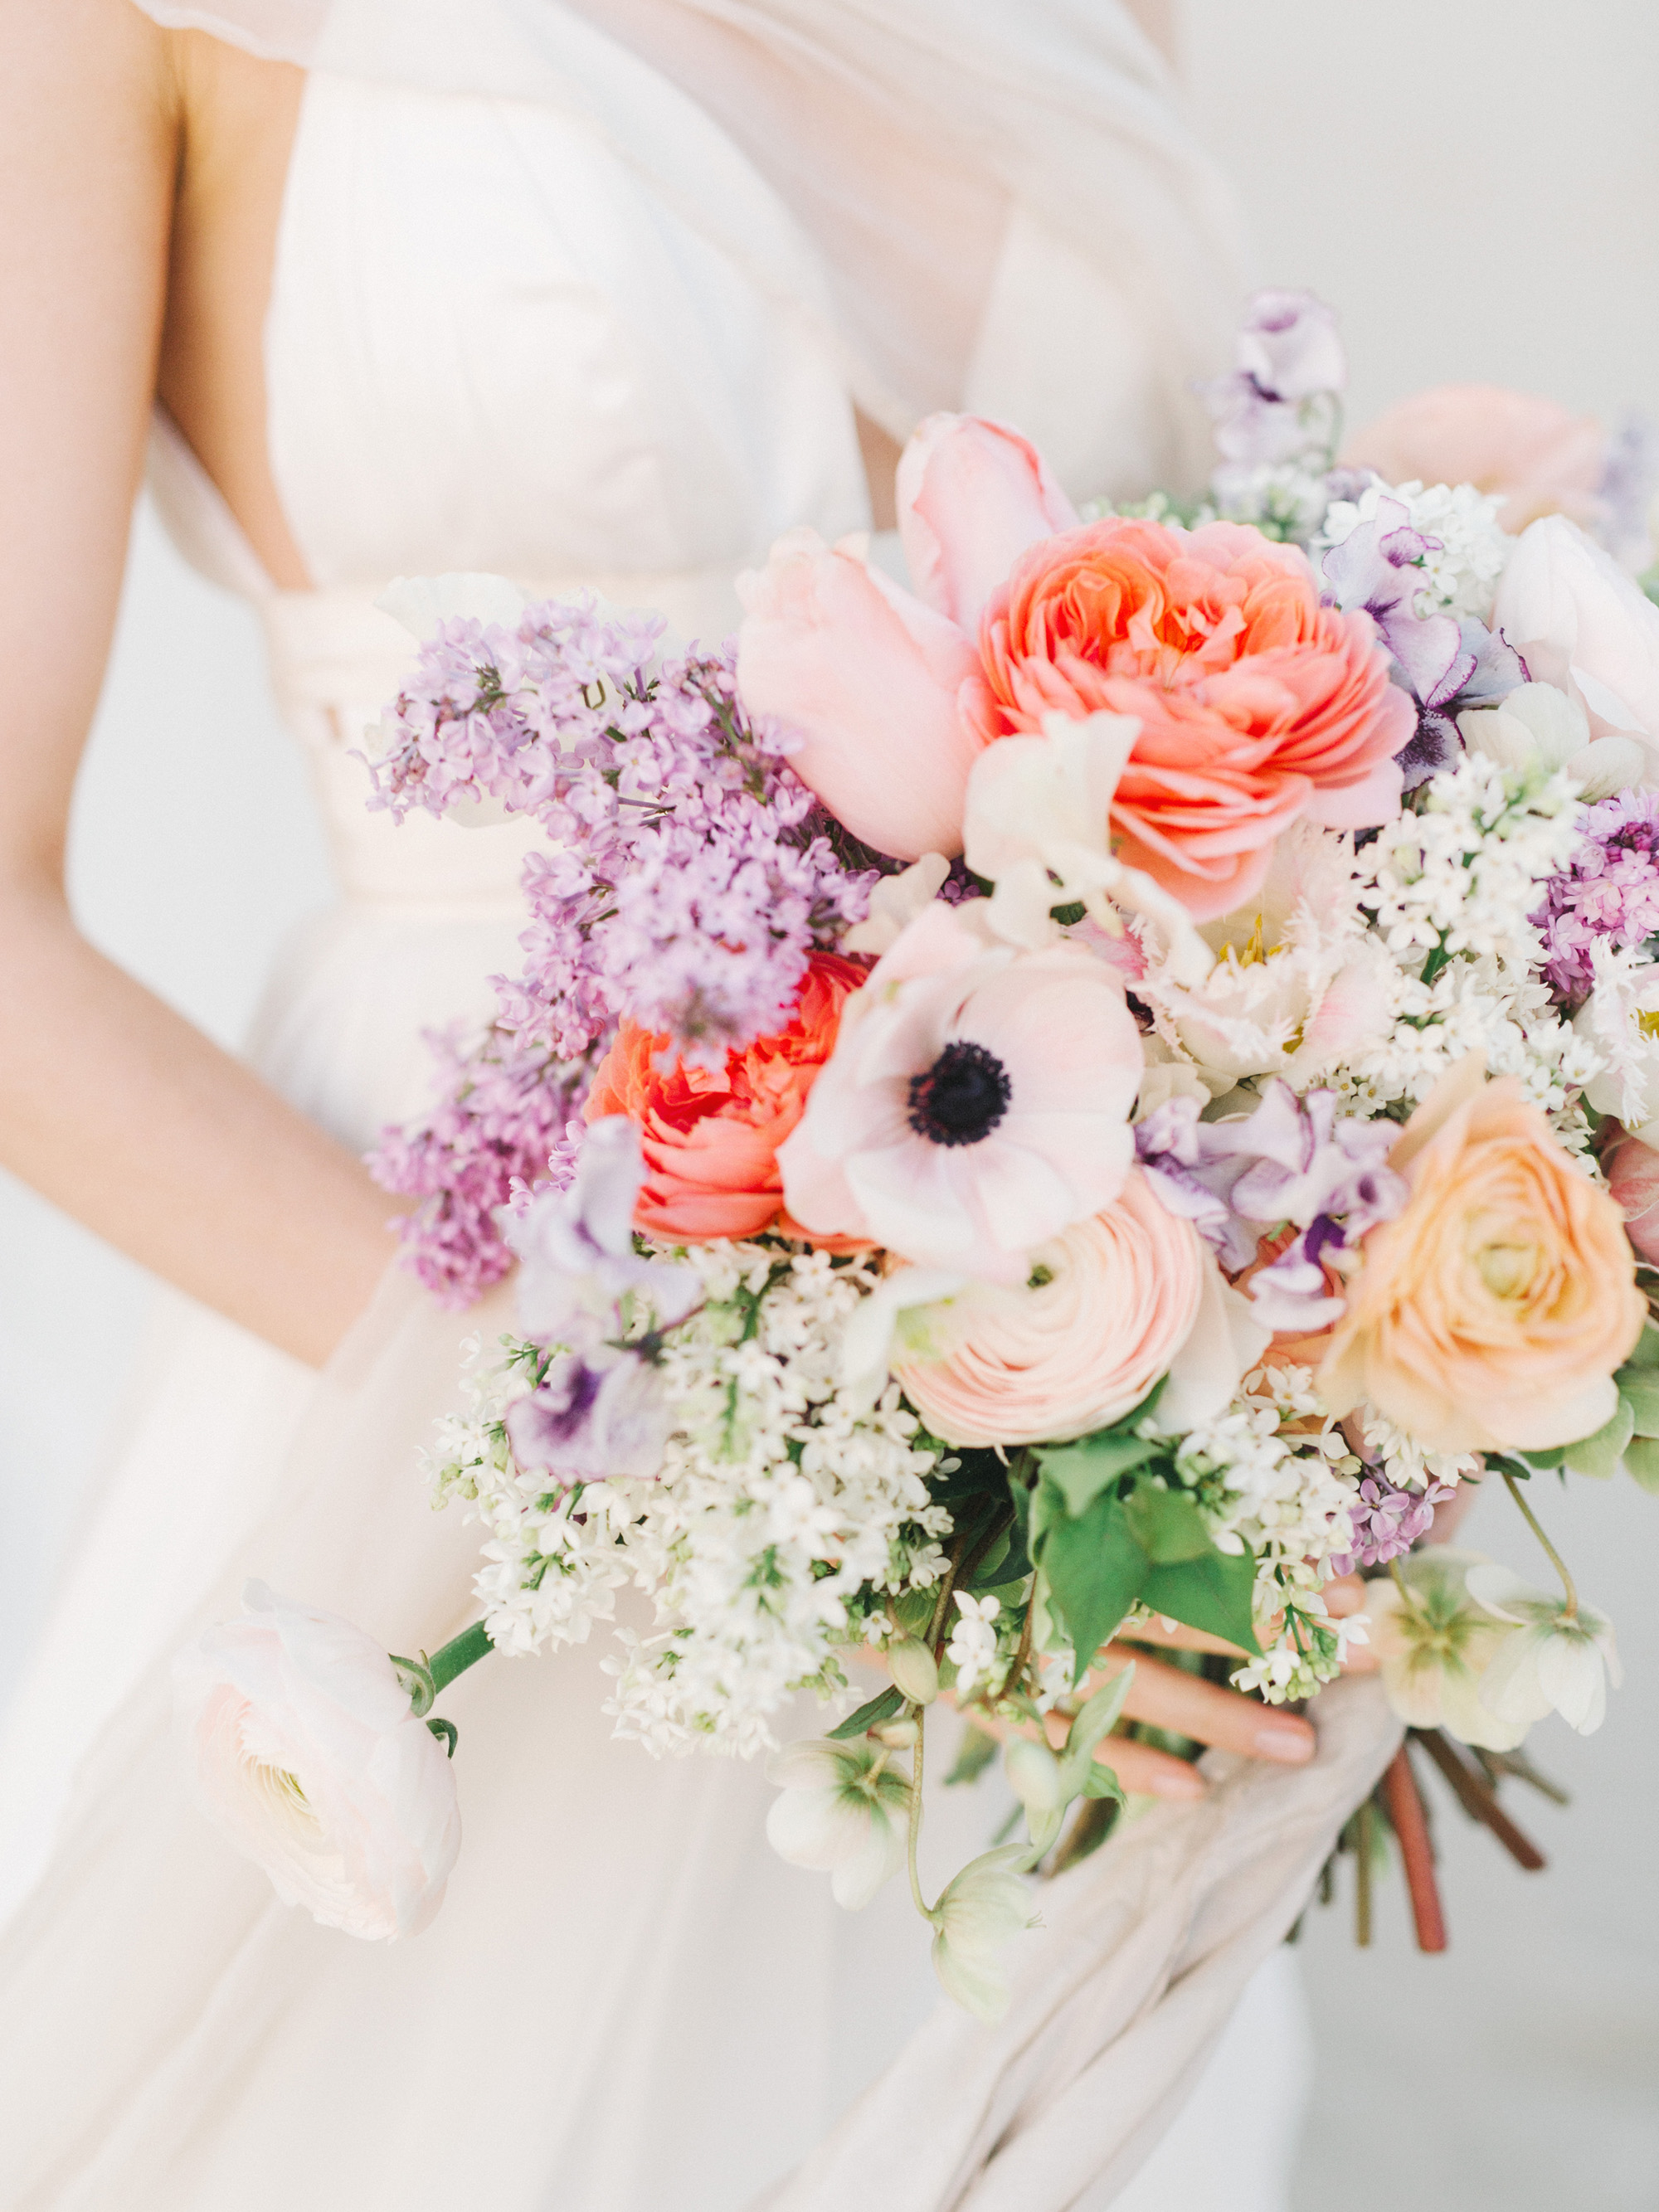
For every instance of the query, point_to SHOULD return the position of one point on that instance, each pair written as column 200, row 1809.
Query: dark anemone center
column 961, row 1097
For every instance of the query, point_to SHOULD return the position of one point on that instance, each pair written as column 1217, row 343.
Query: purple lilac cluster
column 502, row 1115
column 1293, row 1160
column 1388, row 1521
column 688, row 876
column 1611, row 890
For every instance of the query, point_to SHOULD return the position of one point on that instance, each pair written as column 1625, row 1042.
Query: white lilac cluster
column 780, row 1499
column 1450, row 888
column 1465, row 548
column 778, row 1503
column 552, row 1559
column 1284, row 500
column 1275, row 1475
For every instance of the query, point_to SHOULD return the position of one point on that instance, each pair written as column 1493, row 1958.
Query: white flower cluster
column 1408, row 1464
column 1284, row 499
column 1275, row 1475
column 551, row 1561
column 779, row 1500
column 1459, row 578
column 1450, row 889
column 1463, row 873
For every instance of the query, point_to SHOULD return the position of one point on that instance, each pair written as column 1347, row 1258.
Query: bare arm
column 112, row 1105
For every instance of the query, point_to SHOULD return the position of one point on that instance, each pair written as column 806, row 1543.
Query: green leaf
column 1095, row 1570
column 1166, row 1524
column 1642, row 1462
column 1641, row 1386
column 1215, row 1594
column 975, row 1755
column 1082, row 1471
column 1091, row 1725
column 1646, row 1353
column 1599, row 1454
column 867, row 1717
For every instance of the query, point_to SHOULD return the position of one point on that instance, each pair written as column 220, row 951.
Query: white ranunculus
column 987, row 1906
column 1551, row 1659
column 1538, row 728
column 844, row 1809
column 307, row 1754
column 1584, row 626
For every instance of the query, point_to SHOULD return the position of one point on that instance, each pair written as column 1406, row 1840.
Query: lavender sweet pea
column 1445, row 663
column 576, row 1246
column 1280, row 403
column 1293, row 1160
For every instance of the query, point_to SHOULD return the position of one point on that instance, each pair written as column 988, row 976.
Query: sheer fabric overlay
column 888, row 131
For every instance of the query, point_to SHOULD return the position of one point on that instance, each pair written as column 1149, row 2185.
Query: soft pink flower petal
column 1538, row 457
column 867, row 677
column 973, row 495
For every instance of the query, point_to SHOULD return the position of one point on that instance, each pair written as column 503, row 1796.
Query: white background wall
column 1474, row 184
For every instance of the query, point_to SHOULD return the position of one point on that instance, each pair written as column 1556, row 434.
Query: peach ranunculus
column 709, row 1138
column 1536, row 457
column 1256, row 704
column 1492, row 1313
column 1118, row 1300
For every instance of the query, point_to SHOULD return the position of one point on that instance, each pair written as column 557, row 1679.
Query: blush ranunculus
column 1115, row 1301
column 1536, row 457
column 1632, row 1168
column 1492, row 1313
column 709, row 1138
column 1256, row 705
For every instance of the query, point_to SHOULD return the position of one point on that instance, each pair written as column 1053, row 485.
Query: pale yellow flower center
column 1507, row 1270
column 1649, row 1022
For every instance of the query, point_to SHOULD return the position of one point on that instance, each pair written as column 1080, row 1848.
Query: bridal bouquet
column 1100, row 1088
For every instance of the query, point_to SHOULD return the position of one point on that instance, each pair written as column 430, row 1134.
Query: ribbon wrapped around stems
column 1145, row 1948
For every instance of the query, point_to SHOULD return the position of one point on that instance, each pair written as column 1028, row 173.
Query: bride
column 601, row 293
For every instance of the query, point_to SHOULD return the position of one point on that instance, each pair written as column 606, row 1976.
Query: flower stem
column 1556, row 1559
column 921, row 1902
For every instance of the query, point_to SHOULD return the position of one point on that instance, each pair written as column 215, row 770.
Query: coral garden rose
column 1256, row 704
column 1537, row 457
column 977, row 1102
column 306, row 1753
column 709, row 1138
column 1111, row 1304
column 1492, row 1313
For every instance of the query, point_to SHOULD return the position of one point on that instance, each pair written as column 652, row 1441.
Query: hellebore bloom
column 845, row 1810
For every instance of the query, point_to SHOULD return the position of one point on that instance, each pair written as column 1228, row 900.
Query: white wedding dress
column 506, row 333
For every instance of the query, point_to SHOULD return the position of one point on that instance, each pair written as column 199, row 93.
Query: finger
column 1154, row 1773
column 1204, row 1710
column 1344, row 1594
column 1175, row 1636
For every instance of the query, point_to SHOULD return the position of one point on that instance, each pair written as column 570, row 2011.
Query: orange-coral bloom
column 1492, row 1313
column 1255, row 703
column 709, row 1138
